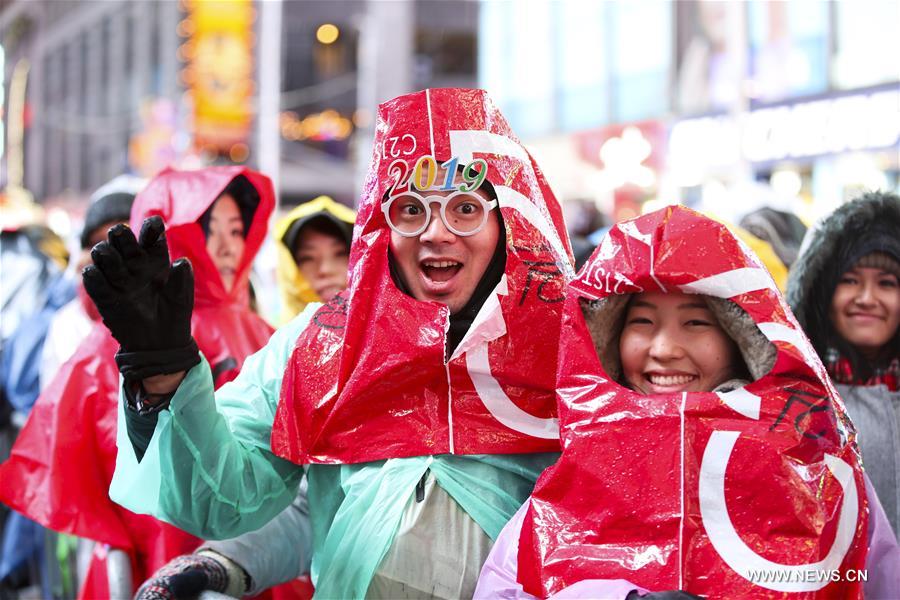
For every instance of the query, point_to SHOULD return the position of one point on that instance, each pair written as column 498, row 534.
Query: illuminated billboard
column 218, row 56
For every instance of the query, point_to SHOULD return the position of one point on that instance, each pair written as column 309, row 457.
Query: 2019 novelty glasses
column 463, row 213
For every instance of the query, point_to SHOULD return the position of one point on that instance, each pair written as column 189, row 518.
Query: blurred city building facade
column 134, row 86
column 721, row 105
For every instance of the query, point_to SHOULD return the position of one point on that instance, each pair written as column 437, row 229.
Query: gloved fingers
column 135, row 258
column 152, row 230
column 179, row 288
column 122, row 239
column 185, row 577
column 152, row 241
column 98, row 288
column 108, row 260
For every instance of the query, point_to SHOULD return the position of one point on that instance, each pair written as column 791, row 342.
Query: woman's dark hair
column 820, row 328
column 246, row 197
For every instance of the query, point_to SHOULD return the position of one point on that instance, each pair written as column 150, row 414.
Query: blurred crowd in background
column 722, row 106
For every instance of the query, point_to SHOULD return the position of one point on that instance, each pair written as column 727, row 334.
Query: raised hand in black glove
column 145, row 302
column 186, row 576
column 666, row 595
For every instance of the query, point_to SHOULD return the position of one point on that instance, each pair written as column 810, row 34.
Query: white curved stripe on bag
column 740, row 557
column 730, row 283
column 498, row 403
column 631, row 230
column 743, row 402
column 776, row 332
column 465, row 143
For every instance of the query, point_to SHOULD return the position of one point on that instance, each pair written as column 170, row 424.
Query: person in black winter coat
column 845, row 290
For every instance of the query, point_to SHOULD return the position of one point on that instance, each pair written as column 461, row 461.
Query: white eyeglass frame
column 487, row 205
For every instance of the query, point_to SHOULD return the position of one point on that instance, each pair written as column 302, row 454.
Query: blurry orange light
column 327, row 33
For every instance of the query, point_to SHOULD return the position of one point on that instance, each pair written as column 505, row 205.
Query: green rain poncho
column 208, row 469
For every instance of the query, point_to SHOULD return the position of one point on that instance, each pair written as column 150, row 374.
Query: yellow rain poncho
column 762, row 248
column 766, row 254
column 296, row 292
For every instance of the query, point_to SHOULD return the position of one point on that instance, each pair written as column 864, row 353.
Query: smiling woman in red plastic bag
column 62, row 464
column 704, row 448
column 422, row 398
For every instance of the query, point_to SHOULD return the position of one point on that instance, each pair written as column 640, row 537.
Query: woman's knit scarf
column 840, row 371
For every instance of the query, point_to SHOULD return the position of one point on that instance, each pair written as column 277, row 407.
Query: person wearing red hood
column 710, row 452
column 406, row 399
column 62, row 482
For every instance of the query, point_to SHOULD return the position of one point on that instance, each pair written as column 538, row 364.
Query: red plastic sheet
column 368, row 379
column 61, row 465
column 697, row 491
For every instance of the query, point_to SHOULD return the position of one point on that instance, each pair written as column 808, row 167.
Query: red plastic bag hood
column 62, row 463
column 696, row 491
column 368, row 379
column 167, row 195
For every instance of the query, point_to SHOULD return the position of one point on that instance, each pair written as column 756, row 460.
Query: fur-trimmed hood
column 605, row 319
column 821, row 247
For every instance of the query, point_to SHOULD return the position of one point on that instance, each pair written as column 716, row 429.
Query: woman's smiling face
column 673, row 343
column 865, row 308
column 322, row 259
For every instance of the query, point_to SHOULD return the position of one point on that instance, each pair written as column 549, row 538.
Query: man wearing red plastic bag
column 421, row 398
column 704, row 448
column 61, row 466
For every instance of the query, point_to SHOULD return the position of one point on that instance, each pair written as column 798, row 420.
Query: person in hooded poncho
column 62, row 464
column 844, row 290
column 704, row 448
column 413, row 398
column 784, row 231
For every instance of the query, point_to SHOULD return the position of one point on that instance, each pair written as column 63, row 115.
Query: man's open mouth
column 440, row 271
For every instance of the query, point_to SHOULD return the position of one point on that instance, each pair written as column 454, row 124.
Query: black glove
column 185, row 577
column 145, row 302
column 666, row 595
